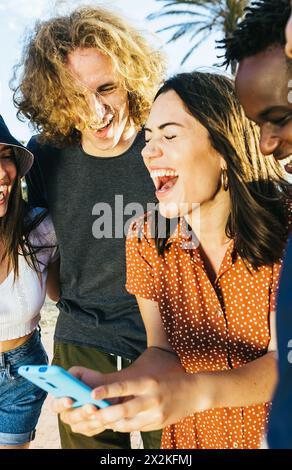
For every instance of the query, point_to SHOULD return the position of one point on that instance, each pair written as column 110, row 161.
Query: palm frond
column 182, row 29
column 191, row 2
column 204, row 17
column 195, row 46
column 198, row 43
column 175, row 12
column 186, row 26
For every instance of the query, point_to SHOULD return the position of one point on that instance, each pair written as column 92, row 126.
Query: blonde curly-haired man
column 87, row 83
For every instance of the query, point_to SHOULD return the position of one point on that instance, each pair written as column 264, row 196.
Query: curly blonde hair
column 46, row 93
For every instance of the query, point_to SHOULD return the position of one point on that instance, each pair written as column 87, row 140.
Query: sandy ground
column 47, row 436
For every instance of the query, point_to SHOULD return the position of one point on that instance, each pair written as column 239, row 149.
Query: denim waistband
column 14, row 355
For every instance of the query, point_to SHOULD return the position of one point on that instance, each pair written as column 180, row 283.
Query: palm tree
column 205, row 17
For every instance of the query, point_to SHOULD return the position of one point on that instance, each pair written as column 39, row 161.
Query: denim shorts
column 20, row 400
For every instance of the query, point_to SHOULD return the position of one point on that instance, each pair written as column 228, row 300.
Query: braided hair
column 262, row 27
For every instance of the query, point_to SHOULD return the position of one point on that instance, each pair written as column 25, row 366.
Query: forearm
column 251, row 384
column 157, row 381
column 152, row 362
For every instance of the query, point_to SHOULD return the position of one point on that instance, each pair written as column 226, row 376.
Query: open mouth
column 286, row 164
column 164, row 180
column 3, row 193
column 105, row 124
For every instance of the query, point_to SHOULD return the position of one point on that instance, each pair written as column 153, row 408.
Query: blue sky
column 17, row 17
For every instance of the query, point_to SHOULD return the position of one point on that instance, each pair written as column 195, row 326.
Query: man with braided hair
column 87, row 83
column 264, row 83
column 263, row 79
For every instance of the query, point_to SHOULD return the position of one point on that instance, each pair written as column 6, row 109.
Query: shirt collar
column 186, row 238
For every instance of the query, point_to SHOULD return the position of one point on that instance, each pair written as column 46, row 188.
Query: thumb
column 128, row 388
column 90, row 377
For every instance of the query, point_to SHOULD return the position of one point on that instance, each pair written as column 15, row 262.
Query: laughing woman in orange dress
column 206, row 287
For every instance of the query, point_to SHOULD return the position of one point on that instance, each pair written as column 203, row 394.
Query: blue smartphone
column 59, row 383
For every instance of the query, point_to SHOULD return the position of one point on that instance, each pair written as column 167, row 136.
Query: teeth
column 110, row 118
column 95, row 127
column 3, row 188
column 286, row 161
column 160, row 173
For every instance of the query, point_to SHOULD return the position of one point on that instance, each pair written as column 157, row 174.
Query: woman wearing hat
column 28, row 265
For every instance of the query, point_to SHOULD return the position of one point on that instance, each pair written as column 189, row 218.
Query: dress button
column 235, row 445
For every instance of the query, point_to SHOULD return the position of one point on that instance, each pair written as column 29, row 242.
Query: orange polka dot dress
column 212, row 327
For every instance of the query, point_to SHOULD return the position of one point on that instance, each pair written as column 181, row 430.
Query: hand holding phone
column 59, row 383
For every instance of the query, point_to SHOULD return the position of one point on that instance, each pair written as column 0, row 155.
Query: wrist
column 202, row 392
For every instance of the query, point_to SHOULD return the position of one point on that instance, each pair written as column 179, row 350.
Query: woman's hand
column 148, row 403
column 144, row 403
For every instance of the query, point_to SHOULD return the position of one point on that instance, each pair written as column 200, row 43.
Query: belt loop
column 5, row 364
column 119, row 363
column 2, row 360
column 8, row 370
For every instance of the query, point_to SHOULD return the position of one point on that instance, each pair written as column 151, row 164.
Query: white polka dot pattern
column 211, row 327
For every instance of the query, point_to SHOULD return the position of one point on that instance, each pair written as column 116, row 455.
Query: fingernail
column 97, row 393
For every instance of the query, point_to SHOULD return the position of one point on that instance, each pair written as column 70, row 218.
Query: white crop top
column 22, row 300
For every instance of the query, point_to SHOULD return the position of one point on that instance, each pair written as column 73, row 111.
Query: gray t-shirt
column 86, row 196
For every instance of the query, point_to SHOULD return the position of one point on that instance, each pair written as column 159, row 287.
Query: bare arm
column 53, row 280
column 250, row 384
column 159, row 392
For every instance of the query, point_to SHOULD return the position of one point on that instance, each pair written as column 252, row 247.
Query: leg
column 20, row 400
column 23, row 446
column 152, row 439
column 66, row 356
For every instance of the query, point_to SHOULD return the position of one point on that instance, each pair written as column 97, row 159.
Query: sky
column 17, row 18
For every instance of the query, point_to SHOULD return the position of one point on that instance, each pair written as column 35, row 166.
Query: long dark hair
column 15, row 228
column 258, row 221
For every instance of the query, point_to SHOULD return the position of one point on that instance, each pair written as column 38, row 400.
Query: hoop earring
column 224, row 179
column 288, row 51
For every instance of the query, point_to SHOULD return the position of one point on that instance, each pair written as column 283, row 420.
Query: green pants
column 68, row 355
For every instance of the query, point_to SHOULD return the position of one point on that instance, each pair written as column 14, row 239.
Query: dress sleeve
column 44, row 239
column 50, row 239
column 142, row 262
